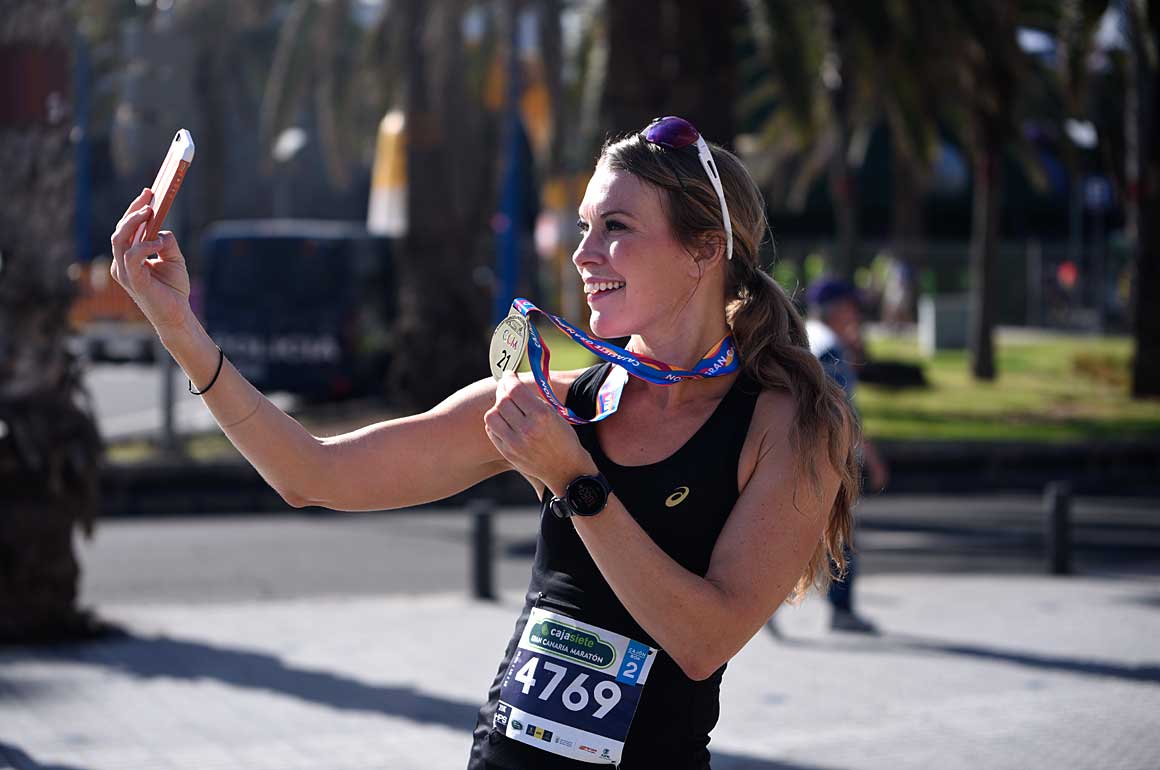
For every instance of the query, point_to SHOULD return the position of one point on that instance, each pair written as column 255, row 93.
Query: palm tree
column 49, row 448
column 834, row 72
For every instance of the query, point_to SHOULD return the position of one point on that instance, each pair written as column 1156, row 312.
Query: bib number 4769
column 575, row 696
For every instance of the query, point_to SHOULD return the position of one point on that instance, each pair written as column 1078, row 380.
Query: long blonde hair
column 769, row 331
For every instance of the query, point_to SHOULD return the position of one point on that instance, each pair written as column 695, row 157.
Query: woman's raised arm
column 389, row 465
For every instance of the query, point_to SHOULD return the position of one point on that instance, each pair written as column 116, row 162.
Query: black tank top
column 699, row 483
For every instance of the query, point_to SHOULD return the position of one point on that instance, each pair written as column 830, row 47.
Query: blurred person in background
column 675, row 527
column 834, row 326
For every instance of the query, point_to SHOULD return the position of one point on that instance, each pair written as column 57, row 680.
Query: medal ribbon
column 721, row 359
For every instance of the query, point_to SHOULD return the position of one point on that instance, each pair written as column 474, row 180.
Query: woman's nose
column 587, row 252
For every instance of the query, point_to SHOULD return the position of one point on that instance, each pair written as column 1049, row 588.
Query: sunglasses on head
column 677, row 133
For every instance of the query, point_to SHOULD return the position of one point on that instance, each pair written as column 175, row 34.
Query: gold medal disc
column 508, row 343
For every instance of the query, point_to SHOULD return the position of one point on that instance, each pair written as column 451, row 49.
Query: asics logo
column 677, row 497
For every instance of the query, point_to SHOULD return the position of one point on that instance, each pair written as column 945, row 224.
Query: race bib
column 572, row 688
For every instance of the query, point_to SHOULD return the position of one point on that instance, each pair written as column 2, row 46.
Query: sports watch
column 584, row 496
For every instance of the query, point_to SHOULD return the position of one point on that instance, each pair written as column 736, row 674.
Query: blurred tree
column 671, row 57
column 835, row 70
column 1142, row 173
column 988, row 86
column 819, row 111
column 343, row 73
column 452, row 143
column 338, row 71
column 218, row 55
column 49, row 447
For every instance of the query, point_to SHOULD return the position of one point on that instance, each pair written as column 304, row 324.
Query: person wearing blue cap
column 834, row 327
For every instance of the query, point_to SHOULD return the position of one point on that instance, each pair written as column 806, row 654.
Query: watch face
column 586, row 496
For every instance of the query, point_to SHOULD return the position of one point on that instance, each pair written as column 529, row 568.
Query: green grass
column 1049, row 389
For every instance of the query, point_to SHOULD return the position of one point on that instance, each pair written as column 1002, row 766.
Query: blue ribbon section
column 721, row 359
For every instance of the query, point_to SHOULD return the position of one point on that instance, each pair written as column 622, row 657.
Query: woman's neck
column 678, row 352
column 683, row 349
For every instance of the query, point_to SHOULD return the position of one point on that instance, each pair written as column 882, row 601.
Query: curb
column 1092, row 468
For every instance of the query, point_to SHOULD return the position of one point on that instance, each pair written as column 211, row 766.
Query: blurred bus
column 301, row 306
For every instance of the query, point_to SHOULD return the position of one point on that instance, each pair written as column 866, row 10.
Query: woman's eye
column 581, row 225
column 613, row 224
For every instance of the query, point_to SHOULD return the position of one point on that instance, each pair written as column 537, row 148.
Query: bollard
column 1057, row 526
column 481, row 550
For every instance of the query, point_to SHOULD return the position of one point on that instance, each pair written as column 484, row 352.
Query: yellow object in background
column 387, row 209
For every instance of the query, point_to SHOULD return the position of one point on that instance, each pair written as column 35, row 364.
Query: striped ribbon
column 721, row 359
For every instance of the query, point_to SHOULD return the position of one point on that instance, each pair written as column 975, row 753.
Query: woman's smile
column 597, row 291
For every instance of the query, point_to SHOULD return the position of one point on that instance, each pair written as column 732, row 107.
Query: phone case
column 167, row 183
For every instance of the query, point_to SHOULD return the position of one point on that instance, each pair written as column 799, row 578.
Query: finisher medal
column 508, row 343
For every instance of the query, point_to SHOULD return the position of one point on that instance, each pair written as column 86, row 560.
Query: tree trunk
column 1142, row 157
column 49, row 448
column 843, row 178
column 907, row 226
column 844, row 200
column 983, row 248
column 442, row 335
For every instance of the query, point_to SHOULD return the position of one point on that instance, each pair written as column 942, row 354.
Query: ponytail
column 771, row 340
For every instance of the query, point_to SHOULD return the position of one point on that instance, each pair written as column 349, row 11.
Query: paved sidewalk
column 1018, row 672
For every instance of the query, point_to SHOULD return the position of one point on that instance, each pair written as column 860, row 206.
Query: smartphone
column 167, row 183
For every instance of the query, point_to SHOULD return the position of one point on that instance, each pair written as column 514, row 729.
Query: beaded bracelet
column 221, row 360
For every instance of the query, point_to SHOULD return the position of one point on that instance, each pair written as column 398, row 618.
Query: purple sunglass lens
column 671, row 132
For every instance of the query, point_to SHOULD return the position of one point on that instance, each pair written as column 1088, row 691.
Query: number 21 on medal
column 575, row 696
column 504, row 359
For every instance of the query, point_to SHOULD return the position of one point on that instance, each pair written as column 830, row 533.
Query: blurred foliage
column 1054, row 389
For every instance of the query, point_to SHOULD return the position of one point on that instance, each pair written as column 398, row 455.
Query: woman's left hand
column 533, row 437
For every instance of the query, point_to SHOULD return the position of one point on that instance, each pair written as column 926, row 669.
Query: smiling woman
column 671, row 527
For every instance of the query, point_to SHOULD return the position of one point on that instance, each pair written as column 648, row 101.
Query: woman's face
column 637, row 276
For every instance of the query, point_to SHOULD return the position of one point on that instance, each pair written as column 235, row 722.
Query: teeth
column 604, row 286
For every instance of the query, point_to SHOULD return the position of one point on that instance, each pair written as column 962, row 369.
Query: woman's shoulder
column 773, row 415
column 774, row 411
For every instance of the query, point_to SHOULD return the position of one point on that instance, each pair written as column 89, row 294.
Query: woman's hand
column 159, row 285
column 531, row 436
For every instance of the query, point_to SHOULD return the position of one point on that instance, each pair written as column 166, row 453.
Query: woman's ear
column 710, row 248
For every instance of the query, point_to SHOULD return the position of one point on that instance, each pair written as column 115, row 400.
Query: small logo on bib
column 572, row 643
column 677, row 497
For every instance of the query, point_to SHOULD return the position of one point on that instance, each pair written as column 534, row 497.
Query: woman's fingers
column 127, row 228
column 132, row 263
column 167, row 247
column 498, row 428
column 511, row 411
column 525, row 395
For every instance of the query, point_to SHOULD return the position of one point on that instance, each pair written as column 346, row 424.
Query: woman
column 670, row 531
